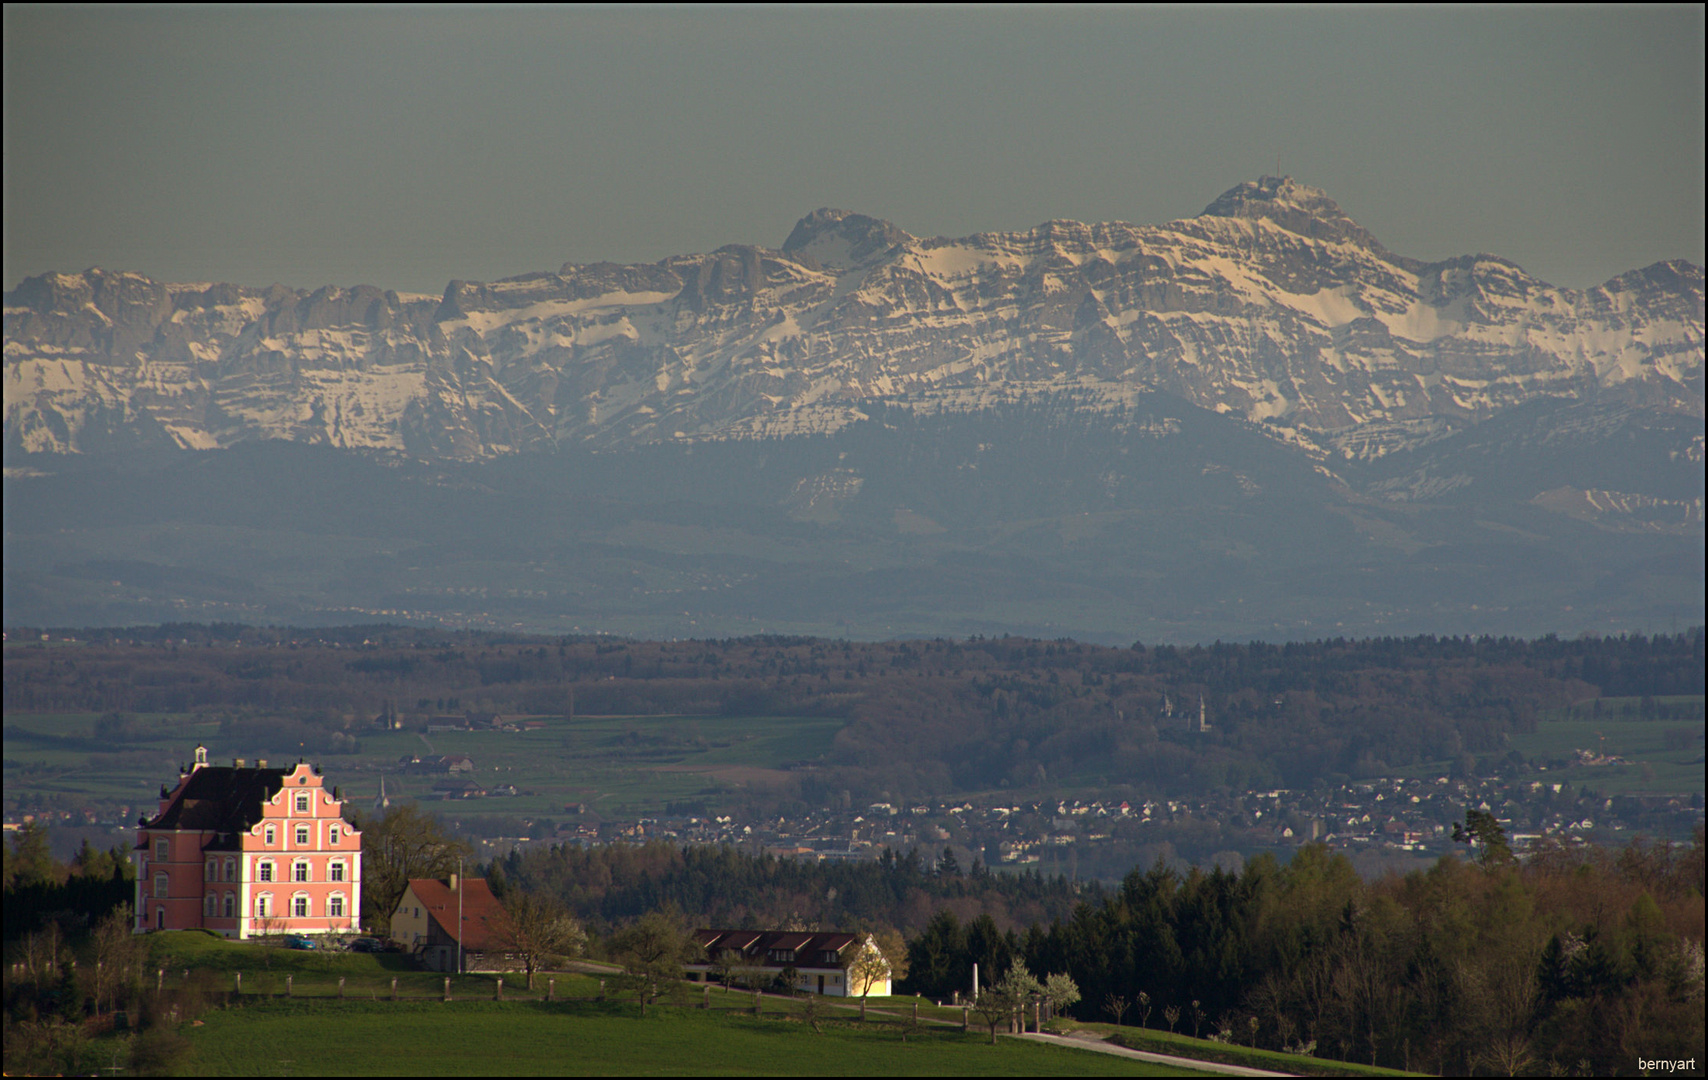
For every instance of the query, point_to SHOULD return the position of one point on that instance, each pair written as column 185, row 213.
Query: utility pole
column 460, row 927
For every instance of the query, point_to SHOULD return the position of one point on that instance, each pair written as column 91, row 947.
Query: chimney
column 238, row 763
column 260, row 763
column 453, row 883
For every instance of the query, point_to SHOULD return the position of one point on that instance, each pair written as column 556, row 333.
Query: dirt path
column 1101, row 1047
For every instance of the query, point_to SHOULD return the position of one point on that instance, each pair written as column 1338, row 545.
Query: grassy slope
column 1163, row 1042
column 617, row 764
column 534, row 1038
column 315, row 1033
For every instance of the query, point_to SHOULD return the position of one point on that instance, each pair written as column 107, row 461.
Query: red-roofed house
column 820, row 962
column 241, row 851
column 426, row 923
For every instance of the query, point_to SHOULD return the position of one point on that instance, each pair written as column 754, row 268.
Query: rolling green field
column 1651, row 766
column 615, row 765
column 535, row 1038
column 315, row 1031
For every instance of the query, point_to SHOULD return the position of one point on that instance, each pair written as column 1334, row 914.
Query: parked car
column 300, row 941
column 367, row 945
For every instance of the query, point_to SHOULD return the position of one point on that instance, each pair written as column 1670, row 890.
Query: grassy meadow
column 618, row 766
column 603, row 1038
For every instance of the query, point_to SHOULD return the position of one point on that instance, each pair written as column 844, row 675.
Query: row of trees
column 924, row 717
column 1577, row 960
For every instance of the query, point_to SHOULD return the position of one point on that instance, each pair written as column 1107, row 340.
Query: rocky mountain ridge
column 1272, row 306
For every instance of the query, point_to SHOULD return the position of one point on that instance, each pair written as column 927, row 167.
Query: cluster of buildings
column 256, row 850
column 1389, row 816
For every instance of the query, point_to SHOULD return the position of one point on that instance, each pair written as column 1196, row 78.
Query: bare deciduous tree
column 538, row 931
column 406, row 843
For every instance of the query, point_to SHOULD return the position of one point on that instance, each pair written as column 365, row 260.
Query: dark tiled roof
column 221, row 799
column 756, row 945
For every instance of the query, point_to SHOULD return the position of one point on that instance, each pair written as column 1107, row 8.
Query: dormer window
column 302, row 802
column 272, row 836
column 332, row 836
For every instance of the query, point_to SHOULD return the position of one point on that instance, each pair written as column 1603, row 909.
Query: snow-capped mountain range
column 1272, row 305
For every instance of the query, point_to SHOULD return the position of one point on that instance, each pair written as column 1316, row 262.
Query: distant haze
column 404, row 149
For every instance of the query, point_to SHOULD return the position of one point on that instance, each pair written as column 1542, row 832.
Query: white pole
column 975, row 982
column 459, row 915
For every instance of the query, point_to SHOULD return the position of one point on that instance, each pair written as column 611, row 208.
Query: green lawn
column 534, row 1038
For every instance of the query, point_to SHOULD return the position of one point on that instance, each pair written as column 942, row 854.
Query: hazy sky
column 405, row 148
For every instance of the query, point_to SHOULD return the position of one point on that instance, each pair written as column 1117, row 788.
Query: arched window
column 299, row 870
column 264, row 871
column 335, row 906
column 299, row 906
column 264, row 905
column 209, row 904
column 335, row 872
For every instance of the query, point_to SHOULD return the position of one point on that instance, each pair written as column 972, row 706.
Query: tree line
column 922, row 717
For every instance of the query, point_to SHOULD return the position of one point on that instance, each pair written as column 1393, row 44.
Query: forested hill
column 923, row 718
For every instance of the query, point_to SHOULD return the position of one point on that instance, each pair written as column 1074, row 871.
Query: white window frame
column 230, row 869
column 264, row 870
column 303, row 837
column 213, row 870
column 335, row 906
column 302, row 906
column 302, row 871
column 333, row 836
column 335, row 870
column 162, row 849
column 162, row 885
column 271, row 835
column 210, row 905
column 264, row 905
column 230, row 904
column 302, row 802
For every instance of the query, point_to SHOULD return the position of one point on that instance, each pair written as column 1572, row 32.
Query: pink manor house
column 244, row 851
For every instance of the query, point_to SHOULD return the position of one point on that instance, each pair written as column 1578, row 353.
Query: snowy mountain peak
column 1273, row 306
column 839, row 240
column 1293, row 206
